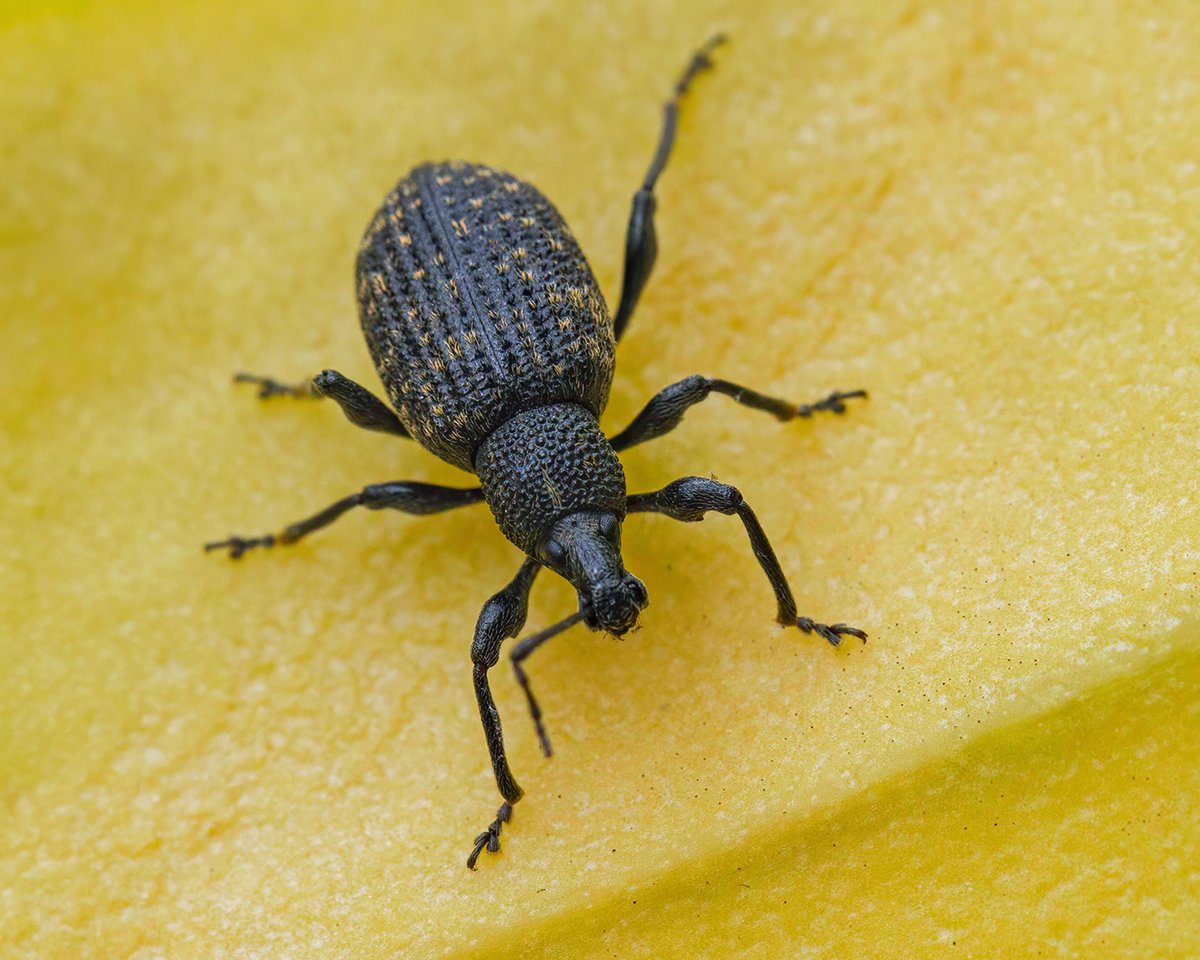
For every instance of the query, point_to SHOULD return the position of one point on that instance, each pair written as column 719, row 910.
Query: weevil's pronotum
column 496, row 349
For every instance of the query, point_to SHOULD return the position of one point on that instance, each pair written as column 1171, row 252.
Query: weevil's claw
column 831, row 404
column 268, row 387
column 833, row 633
column 239, row 545
column 490, row 838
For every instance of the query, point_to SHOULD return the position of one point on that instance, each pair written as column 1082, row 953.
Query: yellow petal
column 985, row 214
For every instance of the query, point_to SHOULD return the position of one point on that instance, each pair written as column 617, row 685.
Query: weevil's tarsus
column 490, row 838
column 522, row 650
column 237, row 546
column 269, row 387
column 406, row 496
column 666, row 408
column 641, row 241
column 690, row 498
column 833, row 633
column 830, row 404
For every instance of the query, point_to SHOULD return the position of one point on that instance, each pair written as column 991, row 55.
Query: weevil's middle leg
column 666, row 408
column 523, row 650
column 361, row 407
column 409, row 497
column 502, row 616
column 690, row 498
column 641, row 243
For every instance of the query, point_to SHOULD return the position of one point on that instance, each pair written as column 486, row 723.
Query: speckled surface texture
column 987, row 214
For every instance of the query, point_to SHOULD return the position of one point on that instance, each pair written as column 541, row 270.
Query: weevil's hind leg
column 690, row 498
column 641, row 243
column 406, row 496
column 361, row 407
column 523, row 650
column 501, row 617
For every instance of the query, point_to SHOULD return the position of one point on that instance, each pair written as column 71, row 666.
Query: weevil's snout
column 614, row 606
column 585, row 548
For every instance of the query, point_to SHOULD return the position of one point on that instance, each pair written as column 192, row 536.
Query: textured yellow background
column 988, row 214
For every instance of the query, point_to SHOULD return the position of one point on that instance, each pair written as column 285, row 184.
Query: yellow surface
column 988, row 214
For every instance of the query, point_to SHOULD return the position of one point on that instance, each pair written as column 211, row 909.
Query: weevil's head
column 557, row 490
column 585, row 549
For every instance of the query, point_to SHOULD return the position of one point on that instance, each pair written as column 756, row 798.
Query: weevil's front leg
column 406, row 496
column 641, row 244
column 666, row 408
column 524, row 649
column 690, row 498
column 502, row 616
column 361, row 407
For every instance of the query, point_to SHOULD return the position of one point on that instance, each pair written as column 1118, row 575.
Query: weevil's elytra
column 470, row 319
column 497, row 352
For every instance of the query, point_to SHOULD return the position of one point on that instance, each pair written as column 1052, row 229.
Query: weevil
column 497, row 352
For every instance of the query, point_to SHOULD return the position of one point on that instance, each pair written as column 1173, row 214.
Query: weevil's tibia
column 421, row 499
column 690, row 498
column 666, row 408
column 641, row 243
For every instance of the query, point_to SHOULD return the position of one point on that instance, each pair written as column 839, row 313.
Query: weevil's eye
column 609, row 526
column 555, row 552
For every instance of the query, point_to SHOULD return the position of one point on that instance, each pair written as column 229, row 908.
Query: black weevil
column 497, row 352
